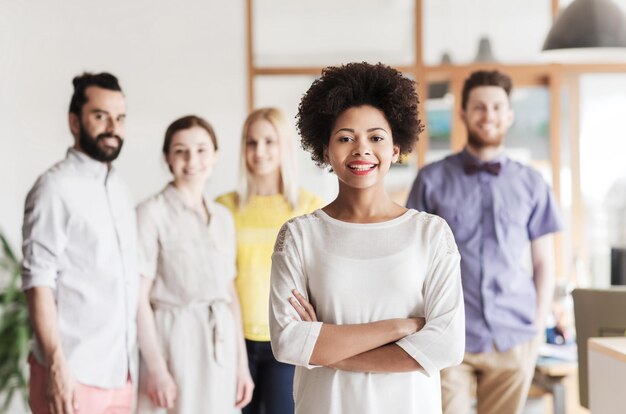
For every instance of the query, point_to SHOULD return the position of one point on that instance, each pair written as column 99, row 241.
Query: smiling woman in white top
column 193, row 357
column 365, row 295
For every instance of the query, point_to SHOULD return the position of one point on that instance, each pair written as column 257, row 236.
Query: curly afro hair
column 352, row 85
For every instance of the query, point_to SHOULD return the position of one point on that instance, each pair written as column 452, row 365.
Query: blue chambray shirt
column 493, row 218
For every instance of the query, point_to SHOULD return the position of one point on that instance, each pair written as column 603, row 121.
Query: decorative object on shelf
column 437, row 90
column 587, row 31
column 446, row 58
column 485, row 52
column 15, row 331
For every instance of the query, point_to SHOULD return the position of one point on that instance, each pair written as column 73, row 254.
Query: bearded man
column 495, row 207
column 79, row 270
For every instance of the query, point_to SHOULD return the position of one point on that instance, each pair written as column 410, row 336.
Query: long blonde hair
column 288, row 171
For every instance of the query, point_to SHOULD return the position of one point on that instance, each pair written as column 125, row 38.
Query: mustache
column 105, row 135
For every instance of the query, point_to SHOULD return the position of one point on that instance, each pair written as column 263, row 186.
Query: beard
column 476, row 141
column 92, row 145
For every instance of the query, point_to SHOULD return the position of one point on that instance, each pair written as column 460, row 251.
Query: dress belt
column 218, row 313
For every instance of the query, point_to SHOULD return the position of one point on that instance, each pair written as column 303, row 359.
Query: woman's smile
column 361, row 167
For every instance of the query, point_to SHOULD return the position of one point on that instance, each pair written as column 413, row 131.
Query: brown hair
column 183, row 123
column 485, row 78
column 102, row 80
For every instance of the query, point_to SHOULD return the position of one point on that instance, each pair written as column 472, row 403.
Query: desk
column 553, row 375
column 607, row 375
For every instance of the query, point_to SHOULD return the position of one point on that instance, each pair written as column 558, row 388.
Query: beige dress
column 193, row 266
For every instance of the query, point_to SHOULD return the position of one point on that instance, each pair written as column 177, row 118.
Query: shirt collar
column 173, row 196
column 467, row 158
column 85, row 163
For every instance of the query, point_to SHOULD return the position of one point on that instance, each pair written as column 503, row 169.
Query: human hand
column 420, row 323
column 303, row 307
column 245, row 386
column 161, row 389
column 61, row 389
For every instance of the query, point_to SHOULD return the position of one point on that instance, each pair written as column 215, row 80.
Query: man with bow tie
column 495, row 207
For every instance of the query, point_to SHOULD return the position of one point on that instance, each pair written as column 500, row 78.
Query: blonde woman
column 193, row 356
column 267, row 196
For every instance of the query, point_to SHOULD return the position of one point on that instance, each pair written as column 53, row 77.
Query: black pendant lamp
column 587, row 31
column 485, row 52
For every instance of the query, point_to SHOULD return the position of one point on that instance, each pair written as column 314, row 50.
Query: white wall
column 172, row 59
column 602, row 168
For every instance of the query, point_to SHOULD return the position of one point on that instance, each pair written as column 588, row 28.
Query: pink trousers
column 90, row 400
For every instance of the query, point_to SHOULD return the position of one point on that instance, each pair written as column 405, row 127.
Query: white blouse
column 358, row 273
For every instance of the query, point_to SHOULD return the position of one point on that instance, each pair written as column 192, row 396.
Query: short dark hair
column 102, row 80
column 485, row 78
column 352, row 85
column 187, row 122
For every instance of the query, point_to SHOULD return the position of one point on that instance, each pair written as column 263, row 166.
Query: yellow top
column 257, row 226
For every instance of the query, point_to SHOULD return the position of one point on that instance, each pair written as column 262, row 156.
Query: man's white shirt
column 79, row 238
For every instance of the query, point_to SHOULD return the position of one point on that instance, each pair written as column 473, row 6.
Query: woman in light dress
column 267, row 196
column 366, row 295
column 193, row 357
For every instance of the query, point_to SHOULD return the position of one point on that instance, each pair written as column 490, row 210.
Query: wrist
column 242, row 364
column 405, row 327
column 157, row 368
column 54, row 360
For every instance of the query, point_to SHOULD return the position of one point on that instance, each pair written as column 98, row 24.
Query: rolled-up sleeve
column 44, row 235
column 441, row 342
column 292, row 339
